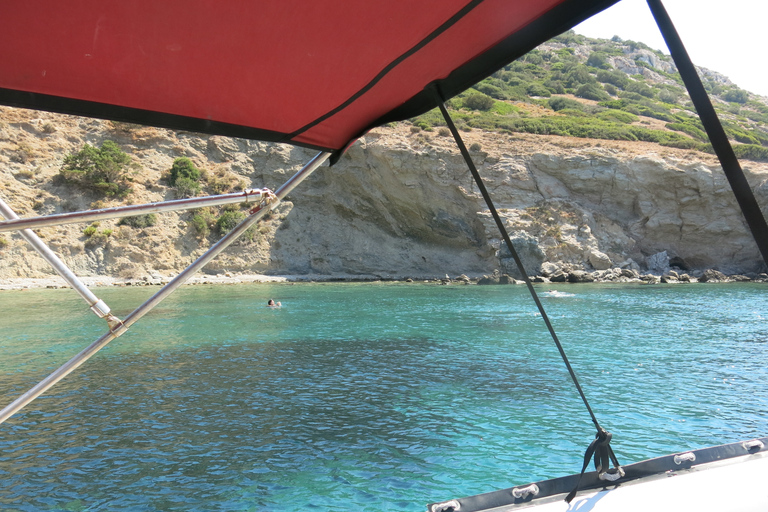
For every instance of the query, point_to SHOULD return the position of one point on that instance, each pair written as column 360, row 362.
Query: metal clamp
column 612, row 474
column 685, row 457
column 452, row 505
column 523, row 492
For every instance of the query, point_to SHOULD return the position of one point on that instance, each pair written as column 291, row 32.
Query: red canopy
column 312, row 73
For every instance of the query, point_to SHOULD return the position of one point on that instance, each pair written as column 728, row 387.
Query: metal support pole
column 127, row 211
column 75, row 362
column 97, row 305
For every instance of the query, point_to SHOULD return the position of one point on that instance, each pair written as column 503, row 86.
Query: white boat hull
column 722, row 481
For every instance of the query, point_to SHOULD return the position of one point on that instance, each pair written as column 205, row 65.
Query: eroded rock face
column 397, row 204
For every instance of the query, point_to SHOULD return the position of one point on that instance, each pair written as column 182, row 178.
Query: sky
column 725, row 36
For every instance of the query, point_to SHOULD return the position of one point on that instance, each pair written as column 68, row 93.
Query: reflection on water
column 365, row 396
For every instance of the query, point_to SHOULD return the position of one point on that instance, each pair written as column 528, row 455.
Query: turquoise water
column 365, row 397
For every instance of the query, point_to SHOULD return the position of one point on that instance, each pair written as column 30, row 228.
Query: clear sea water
column 365, row 397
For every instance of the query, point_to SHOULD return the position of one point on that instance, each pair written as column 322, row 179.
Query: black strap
column 601, row 449
column 715, row 131
column 600, row 446
column 505, row 236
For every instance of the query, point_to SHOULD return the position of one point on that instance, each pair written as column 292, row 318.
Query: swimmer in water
column 272, row 304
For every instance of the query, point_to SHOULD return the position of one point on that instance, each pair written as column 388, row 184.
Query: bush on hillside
column 99, row 169
column 691, row 130
column 598, row 60
column 592, row 92
column 559, row 103
column 640, row 88
column 186, row 187
column 751, row 152
column 538, row 90
column 183, row 168
column 736, row 96
column 616, row 78
column 478, row 101
column 139, row 221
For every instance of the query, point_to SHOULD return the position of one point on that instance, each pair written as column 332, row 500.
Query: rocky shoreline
column 558, row 276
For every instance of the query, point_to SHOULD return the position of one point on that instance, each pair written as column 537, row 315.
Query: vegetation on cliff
column 606, row 89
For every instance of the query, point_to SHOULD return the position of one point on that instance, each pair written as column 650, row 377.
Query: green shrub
column 202, row 222
column 4, row 242
column 560, row 103
column 640, row 88
column 691, row 130
column 538, row 90
column 491, row 90
column 669, row 96
column 616, row 78
column 577, row 76
column 90, row 230
column 183, row 168
column 617, row 116
column 614, row 104
column 573, row 112
column 736, row 96
column 555, row 86
column 598, row 60
column 478, row 101
column 751, row 152
column 228, row 220
column 98, row 169
column 592, row 92
column 503, row 108
column 186, row 187
column 139, row 221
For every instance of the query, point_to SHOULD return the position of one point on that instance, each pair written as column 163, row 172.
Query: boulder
column 580, row 276
column 599, row 260
column 712, row 276
column 507, row 279
column 527, row 248
column 492, row 279
column 658, row 262
column 558, row 277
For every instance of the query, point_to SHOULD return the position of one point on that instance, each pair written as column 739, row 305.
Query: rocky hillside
column 399, row 204
column 608, row 89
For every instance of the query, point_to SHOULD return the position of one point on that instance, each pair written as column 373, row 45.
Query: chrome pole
column 84, row 355
column 97, row 305
column 126, row 211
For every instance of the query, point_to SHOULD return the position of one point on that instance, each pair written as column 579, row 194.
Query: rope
column 603, row 438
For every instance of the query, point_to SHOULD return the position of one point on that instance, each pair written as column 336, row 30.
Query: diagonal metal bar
column 97, row 305
column 126, row 211
column 215, row 250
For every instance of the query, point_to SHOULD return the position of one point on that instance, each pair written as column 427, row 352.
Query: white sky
column 728, row 37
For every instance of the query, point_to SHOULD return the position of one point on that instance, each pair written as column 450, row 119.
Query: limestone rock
column 712, row 276
column 599, row 260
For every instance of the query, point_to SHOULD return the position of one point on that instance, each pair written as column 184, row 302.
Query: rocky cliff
column 400, row 203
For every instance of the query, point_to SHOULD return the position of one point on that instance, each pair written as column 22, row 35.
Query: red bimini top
column 316, row 74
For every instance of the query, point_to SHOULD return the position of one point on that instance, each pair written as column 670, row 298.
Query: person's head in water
column 271, row 302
